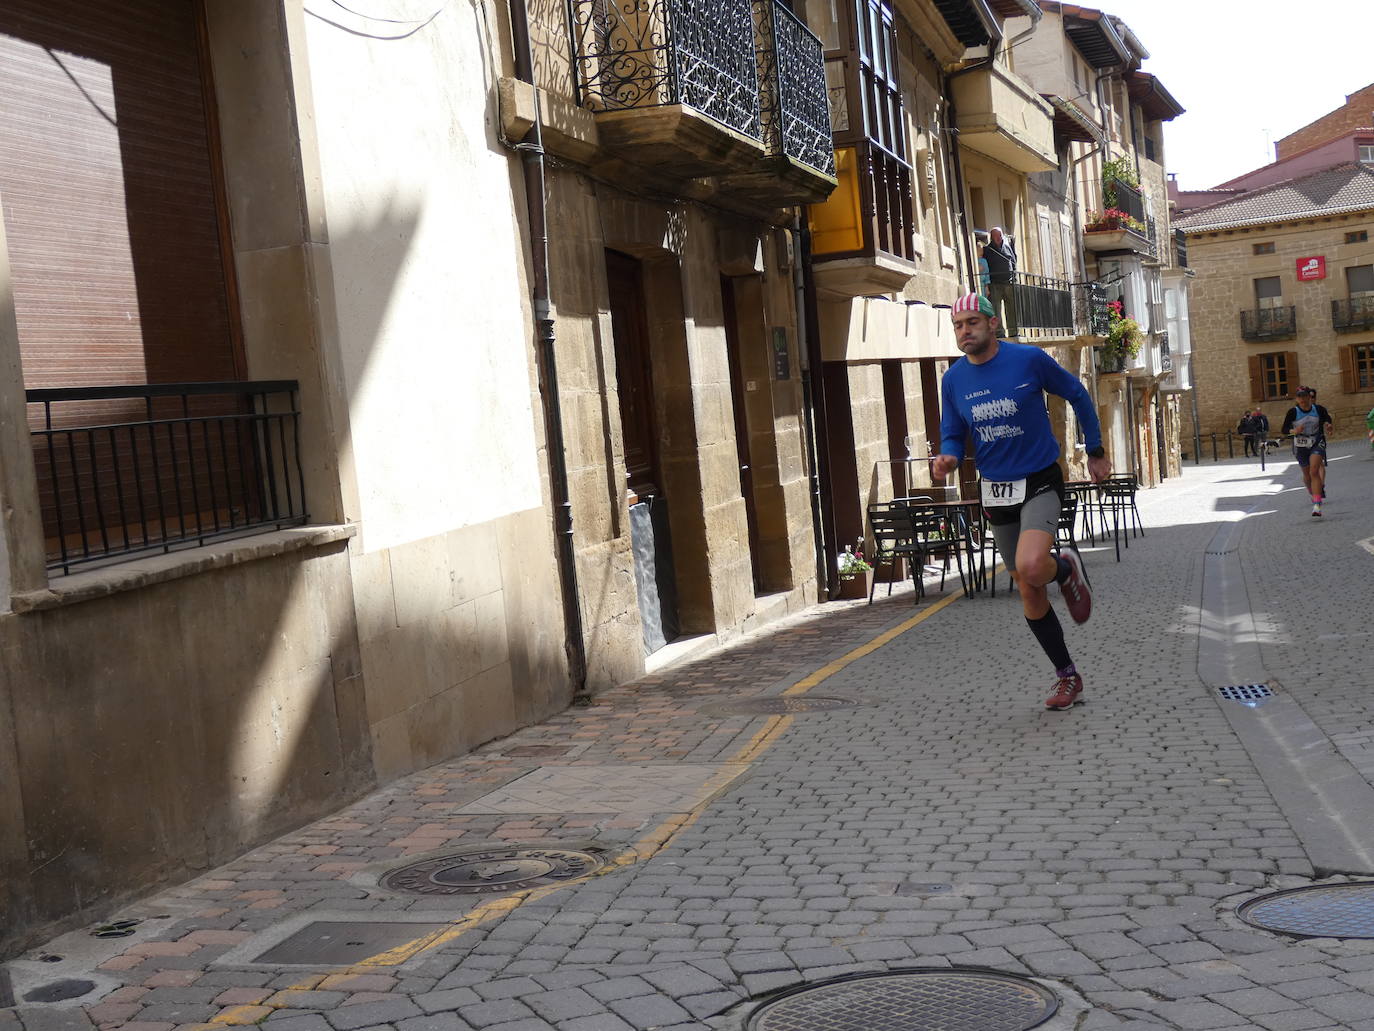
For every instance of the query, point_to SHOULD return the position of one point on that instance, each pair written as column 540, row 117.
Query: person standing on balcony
column 1309, row 423
column 1000, row 255
column 996, row 393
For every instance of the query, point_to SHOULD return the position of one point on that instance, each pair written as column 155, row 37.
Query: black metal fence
column 124, row 470
column 648, row 53
column 1269, row 323
column 793, row 97
column 1353, row 315
column 1044, row 306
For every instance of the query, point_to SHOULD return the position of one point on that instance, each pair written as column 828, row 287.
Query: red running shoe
column 1077, row 595
column 1068, row 692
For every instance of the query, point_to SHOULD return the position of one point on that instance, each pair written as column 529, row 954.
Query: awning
column 1157, row 103
column 1071, row 123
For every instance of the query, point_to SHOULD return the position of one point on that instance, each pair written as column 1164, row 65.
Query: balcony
column 1000, row 116
column 1123, row 224
column 124, row 471
column 1353, row 315
column 674, row 84
column 1269, row 324
column 794, row 108
column 862, row 236
column 1044, row 307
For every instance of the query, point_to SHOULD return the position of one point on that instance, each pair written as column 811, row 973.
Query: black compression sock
column 1051, row 637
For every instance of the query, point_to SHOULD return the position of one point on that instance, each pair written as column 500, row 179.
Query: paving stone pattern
column 1101, row 850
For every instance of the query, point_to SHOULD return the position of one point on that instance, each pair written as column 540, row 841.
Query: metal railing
column 125, row 470
column 1152, row 235
column 1355, row 314
column 1090, row 308
column 1269, row 323
column 1124, row 197
column 651, row 53
column 794, row 101
column 1044, row 306
column 1166, row 357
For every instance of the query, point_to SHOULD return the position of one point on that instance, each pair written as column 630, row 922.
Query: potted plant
column 1124, row 339
column 1112, row 220
column 856, row 574
column 1118, row 170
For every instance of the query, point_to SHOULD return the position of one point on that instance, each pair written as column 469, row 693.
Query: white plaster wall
column 425, row 250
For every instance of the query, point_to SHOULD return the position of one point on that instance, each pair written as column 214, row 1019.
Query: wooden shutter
column 1348, row 382
column 110, row 194
column 1256, row 378
column 1290, row 361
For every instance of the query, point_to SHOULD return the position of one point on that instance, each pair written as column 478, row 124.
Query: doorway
column 733, row 344
column 650, row 539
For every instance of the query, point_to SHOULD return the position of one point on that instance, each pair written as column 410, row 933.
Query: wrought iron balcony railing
column 1352, row 315
column 1152, row 236
column 793, row 97
column 1044, row 306
column 1166, row 357
column 1269, row 323
column 1092, row 311
column 1124, row 197
column 126, row 470
column 651, row 53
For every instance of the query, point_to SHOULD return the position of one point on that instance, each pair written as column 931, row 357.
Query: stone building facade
column 1284, row 296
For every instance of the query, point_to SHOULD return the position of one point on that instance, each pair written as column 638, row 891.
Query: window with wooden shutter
column 1273, row 375
column 1294, row 377
column 1357, row 368
column 111, row 199
column 1256, row 379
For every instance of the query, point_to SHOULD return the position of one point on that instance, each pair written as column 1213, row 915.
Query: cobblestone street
column 942, row 818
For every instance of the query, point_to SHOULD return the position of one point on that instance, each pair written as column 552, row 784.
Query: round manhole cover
column 1321, row 911
column 951, row 1000
column 496, row 870
column 777, row 704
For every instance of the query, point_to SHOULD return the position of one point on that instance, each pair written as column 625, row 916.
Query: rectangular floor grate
column 1245, row 692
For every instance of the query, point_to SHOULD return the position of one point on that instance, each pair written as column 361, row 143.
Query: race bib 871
column 1002, row 493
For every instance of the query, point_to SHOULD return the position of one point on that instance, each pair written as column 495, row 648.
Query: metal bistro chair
column 889, row 523
column 1085, row 494
column 1117, row 495
column 1065, row 532
column 939, row 538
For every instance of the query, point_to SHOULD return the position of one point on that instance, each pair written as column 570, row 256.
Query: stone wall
column 159, row 730
column 1226, row 267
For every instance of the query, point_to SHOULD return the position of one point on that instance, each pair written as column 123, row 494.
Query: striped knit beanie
column 974, row 302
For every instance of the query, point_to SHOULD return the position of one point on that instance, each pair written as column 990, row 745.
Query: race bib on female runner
column 1302, row 441
column 1002, row 493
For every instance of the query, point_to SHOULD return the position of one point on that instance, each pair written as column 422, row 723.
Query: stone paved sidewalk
column 945, row 818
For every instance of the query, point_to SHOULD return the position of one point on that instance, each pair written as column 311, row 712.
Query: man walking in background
column 1001, row 258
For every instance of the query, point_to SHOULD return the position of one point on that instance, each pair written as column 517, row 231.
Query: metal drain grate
column 496, row 870
column 1322, row 911
column 1248, row 694
column 342, row 942
column 951, row 1000
column 776, row 705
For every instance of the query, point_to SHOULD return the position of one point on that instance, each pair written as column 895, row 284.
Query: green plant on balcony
column 1117, row 170
column 1124, row 337
column 1112, row 219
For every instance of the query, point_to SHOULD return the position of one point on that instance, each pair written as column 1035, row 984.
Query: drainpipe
column 814, row 420
column 532, row 156
column 808, row 428
column 965, row 252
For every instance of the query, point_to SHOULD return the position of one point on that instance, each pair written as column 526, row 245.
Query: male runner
column 996, row 392
column 1309, row 423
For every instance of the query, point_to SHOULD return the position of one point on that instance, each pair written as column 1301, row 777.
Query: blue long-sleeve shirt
column 1002, row 403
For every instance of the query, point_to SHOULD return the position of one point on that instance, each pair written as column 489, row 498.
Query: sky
column 1249, row 72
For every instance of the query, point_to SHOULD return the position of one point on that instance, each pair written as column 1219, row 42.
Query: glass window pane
column 1361, row 280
